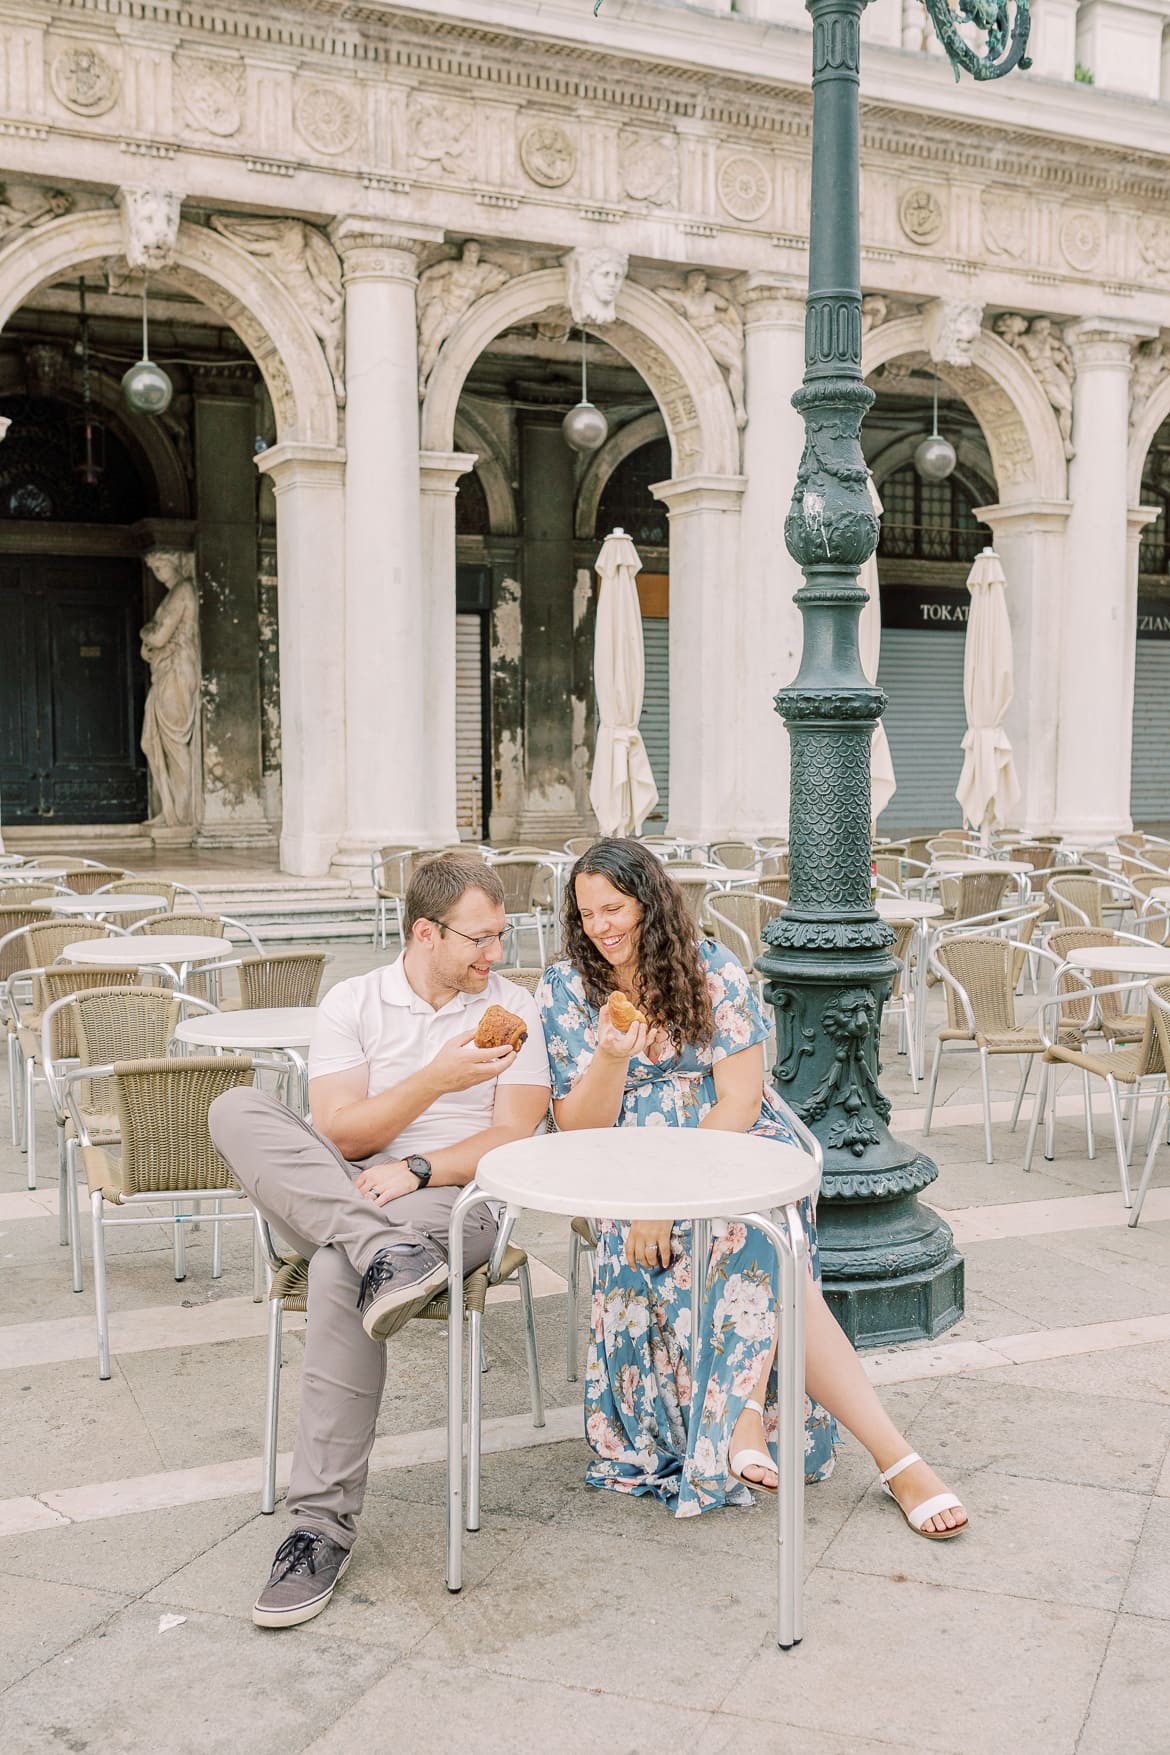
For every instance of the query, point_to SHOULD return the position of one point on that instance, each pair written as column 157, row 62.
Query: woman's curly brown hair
column 672, row 985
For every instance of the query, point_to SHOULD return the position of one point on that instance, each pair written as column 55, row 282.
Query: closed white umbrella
column 988, row 789
column 882, row 783
column 622, row 790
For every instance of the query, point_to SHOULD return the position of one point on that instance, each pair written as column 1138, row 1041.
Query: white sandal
column 929, row 1508
column 738, row 1459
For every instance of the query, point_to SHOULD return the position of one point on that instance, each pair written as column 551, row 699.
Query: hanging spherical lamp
column 145, row 386
column 585, row 428
column 935, row 457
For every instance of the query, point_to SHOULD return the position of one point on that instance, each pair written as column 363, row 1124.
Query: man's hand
column 383, row 1183
column 460, row 1065
column 648, row 1243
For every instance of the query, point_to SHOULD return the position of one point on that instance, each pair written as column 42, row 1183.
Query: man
column 404, row 1105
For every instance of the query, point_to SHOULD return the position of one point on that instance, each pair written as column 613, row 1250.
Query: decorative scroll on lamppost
column 891, row 1271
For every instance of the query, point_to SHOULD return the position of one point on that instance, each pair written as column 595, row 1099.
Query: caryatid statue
column 445, row 291
column 170, row 723
column 718, row 323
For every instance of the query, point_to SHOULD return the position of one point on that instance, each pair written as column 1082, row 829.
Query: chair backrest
column 116, row 1024
column 981, row 892
column 949, row 841
column 1078, row 900
column 1159, row 1016
column 1062, row 943
column 579, row 844
column 775, row 887
column 918, row 849
column 390, row 868
column 162, row 1105
column 20, row 895
column 14, row 924
column 142, row 886
column 184, row 925
column 57, row 984
column 889, row 866
column 985, row 968
column 282, row 978
column 52, row 938
column 529, row 978
column 734, row 919
column 526, row 881
column 85, row 879
column 904, row 931
column 693, row 890
column 737, row 855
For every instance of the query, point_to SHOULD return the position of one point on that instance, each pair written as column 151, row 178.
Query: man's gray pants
column 304, row 1188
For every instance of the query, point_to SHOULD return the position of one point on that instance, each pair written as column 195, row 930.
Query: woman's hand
column 615, row 1044
column 648, row 1243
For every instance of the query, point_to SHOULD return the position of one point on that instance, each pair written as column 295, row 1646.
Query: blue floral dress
column 638, row 1391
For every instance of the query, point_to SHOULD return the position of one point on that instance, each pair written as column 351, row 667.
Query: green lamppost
column 891, row 1271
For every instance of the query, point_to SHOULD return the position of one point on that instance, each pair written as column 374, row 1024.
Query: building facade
column 376, row 243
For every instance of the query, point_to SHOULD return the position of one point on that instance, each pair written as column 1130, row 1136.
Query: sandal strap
column 931, row 1508
column 755, row 1458
column 896, row 1468
column 756, row 1407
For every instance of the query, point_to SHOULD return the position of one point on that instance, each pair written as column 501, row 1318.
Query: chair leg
column 216, row 1240
column 524, row 1279
column 1026, row 1065
column 68, row 1194
column 910, row 1035
column 1090, row 1136
column 1119, row 1139
column 1148, row 1168
column 1050, row 1117
column 271, row 1406
column 934, row 1066
column 180, row 1248
column 257, row 1269
column 101, row 1307
column 62, row 1202
column 1133, row 1115
column 1037, row 1113
column 571, row 1307
column 985, row 1081
column 14, row 1077
column 474, row 1415
column 30, row 1118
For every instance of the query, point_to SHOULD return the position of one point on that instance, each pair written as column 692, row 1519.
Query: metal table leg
column 471, row 1196
column 791, row 1266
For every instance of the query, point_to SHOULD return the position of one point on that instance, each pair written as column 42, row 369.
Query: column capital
column 1103, row 342
column 293, row 465
column 701, row 493
column 440, row 471
column 372, row 249
column 771, row 298
column 1047, row 515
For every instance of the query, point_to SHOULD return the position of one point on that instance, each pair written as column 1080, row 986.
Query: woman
column 697, row 1061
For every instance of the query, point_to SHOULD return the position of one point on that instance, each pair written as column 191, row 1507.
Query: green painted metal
column 891, row 1271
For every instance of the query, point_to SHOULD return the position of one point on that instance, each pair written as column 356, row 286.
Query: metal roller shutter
column 1149, row 797
column 469, row 725
column 926, row 721
column 654, row 724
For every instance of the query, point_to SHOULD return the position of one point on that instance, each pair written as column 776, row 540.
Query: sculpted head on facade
column 596, row 277
column 953, row 326
column 150, row 227
column 172, row 566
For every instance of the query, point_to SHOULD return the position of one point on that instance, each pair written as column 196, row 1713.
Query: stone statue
column 1051, row 360
column 150, row 227
column 718, row 322
column 445, row 291
column 874, row 311
column 1151, row 362
column 23, row 206
column 307, row 266
column 953, row 326
column 170, row 723
column 596, row 277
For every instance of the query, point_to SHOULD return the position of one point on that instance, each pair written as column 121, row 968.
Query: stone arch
column 687, row 384
column 1006, row 398
column 472, row 435
column 620, row 445
column 239, row 289
column 1145, row 428
column 971, row 467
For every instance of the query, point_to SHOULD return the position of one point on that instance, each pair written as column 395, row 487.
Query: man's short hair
column 437, row 884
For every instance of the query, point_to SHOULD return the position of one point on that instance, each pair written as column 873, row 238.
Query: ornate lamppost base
column 910, row 1288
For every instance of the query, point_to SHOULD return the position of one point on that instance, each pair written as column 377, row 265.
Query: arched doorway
column 1150, row 771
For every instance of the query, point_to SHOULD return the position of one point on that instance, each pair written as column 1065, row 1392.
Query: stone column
column 1029, row 537
column 770, row 633
column 392, row 793
column 1097, row 634
column 308, row 482
column 706, row 746
column 439, row 473
column 229, row 616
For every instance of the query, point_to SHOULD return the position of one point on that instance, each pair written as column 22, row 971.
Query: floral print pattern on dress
column 651, row 1429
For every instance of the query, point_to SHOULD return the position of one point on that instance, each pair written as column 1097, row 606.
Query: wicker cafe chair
column 389, row 876
column 738, row 855
column 900, row 1002
column 774, row 887
column 1135, row 1067
column 579, row 844
column 971, row 894
column 20, row 895
column 200, row 983
column 1083, row 901
column 288, row 1289
column 980, row 974
column 83, row 880
column 529, row 882
column 1113, row 1021
column 694, row 893
column 167, row 1155
column 1159, row 1005
column 167, row 894
column 281, row 978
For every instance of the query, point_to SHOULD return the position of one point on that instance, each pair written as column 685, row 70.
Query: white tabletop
column 648, row 1173
column 958, row 867
column 139, row 948
column 99, row 904
column 907, row 908
column 32, row 874
column 266, row 1027
column 1123, row 959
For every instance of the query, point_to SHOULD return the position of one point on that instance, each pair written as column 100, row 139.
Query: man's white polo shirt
column 380, row 1021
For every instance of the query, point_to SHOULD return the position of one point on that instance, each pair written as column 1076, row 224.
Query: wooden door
column 71, row 692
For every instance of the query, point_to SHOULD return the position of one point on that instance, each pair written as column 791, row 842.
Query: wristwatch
column 420, row 1167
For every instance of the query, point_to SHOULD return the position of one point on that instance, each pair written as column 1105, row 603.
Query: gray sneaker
column 397, row 1282
column 304, row 1572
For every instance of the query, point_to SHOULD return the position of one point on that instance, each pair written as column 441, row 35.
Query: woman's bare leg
column 835, row 1378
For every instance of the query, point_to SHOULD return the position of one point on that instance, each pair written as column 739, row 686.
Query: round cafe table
column 653, row 1173
column 175, row 952
column 1131, row 959
column 287, row 1030
column 95, row 905
column 959, row 867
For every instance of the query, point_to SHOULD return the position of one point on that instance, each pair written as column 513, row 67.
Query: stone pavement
column 131, row 1546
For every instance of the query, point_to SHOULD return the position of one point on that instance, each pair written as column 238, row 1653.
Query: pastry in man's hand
column 623, row 1013
column 501, row 1029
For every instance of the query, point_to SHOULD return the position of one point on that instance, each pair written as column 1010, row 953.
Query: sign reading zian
column 1153, row 618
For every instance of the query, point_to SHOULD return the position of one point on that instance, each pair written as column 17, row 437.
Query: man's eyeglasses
column 481, row 943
